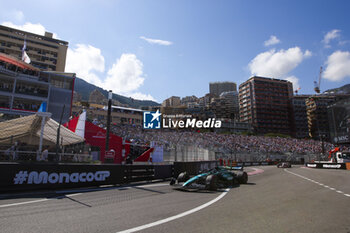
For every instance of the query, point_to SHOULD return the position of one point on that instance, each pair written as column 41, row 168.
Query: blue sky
column 157, row 49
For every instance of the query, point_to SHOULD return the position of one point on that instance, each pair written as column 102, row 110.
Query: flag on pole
column 42, row 107
column 25, row 56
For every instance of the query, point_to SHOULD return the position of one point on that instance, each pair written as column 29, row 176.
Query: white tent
column 27, row 129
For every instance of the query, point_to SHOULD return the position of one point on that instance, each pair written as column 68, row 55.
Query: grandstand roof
column 14, row 61
column 27, row 129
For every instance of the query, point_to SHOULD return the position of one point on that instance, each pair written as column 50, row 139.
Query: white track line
column 325, row 186
column 74, row 193
column 139, row 228
column 23, row 203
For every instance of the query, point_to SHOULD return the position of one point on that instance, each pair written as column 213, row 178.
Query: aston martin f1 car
column 216, row 178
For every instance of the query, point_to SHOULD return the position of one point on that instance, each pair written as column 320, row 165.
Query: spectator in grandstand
column 221, row 142
column 44, row 155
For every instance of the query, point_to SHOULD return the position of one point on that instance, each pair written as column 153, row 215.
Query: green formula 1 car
column 217, row 178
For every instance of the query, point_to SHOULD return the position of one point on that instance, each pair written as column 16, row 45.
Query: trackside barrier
column 31, row 176
column 162, row 172
column 245, row 164
column 135, row 173
column 248, row 164
column 327, row 165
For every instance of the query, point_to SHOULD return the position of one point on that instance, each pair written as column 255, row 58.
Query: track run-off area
column 296, row 199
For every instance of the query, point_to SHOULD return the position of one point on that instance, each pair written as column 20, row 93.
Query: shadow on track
column 81, row 203
column 147, row 189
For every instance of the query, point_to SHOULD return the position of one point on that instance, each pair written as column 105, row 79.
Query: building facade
column 339, row 121
column 96, row 97
column 45, row 52
column 189, row 100
column 317, row 114
column 216, row 88
column 226, row 106
column 173, row 101
column 300, row 125
column 265, row 103
column 77, row 97
column 23, row 88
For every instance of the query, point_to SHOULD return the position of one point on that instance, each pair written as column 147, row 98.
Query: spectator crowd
column 222, row 142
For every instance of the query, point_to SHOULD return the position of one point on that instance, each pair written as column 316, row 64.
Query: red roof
column 14, row 61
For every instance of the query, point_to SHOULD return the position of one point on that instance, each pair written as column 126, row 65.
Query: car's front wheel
column 183, row 177
column 242, row 177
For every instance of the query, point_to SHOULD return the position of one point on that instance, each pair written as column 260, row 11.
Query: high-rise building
column 45, row 52
column 300, row 126
column 226, row 106
column 317, row 114
column 339, row 121
column 265, row 103
column 216, row 88
column 189, row 100
column 232, row 104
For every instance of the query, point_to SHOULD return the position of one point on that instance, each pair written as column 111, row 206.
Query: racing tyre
column 183, row 177
column 211, row 182
column 242, row 177
column 172, row 181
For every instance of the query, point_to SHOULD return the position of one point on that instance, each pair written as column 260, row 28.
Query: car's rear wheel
column 211, row 182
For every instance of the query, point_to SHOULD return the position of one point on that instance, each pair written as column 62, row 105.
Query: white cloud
column 124, row 78
column 141, row 96
column 277, row 64
column 84, row 60
column 338, row 66
column 295, row 82
column 330, row 36
column 126, row 74
column 156, row 41
column 272, row 41
column 29, row 27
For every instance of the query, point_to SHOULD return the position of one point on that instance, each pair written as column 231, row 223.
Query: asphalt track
column 278, row 200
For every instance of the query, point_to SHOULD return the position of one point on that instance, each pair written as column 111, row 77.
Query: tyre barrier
column 328, row 165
